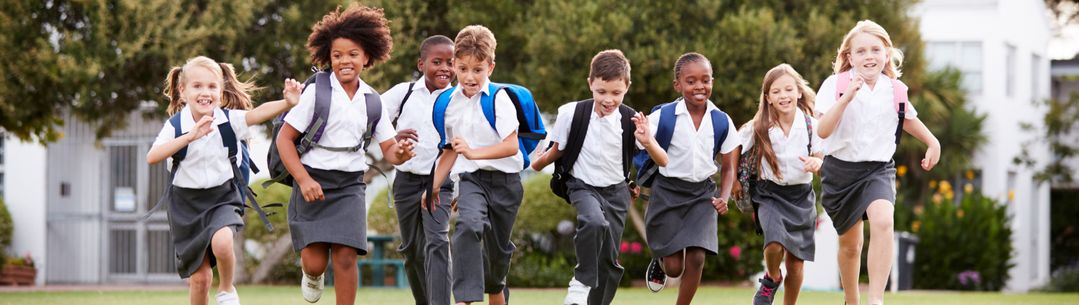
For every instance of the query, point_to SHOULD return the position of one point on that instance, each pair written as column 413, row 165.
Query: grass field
column 273, row 295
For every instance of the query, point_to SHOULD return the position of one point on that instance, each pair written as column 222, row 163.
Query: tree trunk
column 638, row 221
column 240, row 273
column 280, row 248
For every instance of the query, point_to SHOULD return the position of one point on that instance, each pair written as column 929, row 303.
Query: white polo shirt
column 690, row 154
column 345, row 127
column 465, row 119
column 600, row 161
column 787, row 149
column 206, row 164
column 415, row 115
column 866, row 131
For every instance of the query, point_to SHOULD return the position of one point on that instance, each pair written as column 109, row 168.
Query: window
column 964, row 56
column 1009, row 71
column 1035, row 77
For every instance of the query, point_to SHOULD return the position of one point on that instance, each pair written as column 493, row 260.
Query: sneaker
column 654, row 276
column 577, row 294
column 228, row 298
column 312, row 287
column 767, row 292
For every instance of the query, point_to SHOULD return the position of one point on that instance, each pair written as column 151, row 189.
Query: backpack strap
column 182, row 153
column 578, row 129
column 899, row 95
column 809, row 132
column 667, row 119
column 438, row 116
column 401, row 108
column 487, row 103
column 720, row 126
column 629, row 143
column 320, row 115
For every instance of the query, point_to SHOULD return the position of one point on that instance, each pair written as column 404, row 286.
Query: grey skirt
column 680, row 215
column 340, row 219
column 195, row 215
column 847, row 189
column 788, row 216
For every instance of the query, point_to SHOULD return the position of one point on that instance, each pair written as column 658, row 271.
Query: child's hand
column 736, row 190
column 854, row 86
column 720, row 204
column 311, row 190
column 423, row 199
column 810, row 164
column 407, row 134
column 292, row 91
column 634, row 192
column 202, row 128
column 643, row 135
column 405, row 151
column 932, row 156
column 461, row 146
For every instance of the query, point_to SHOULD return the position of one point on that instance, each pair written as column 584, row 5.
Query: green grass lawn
column 270, row 295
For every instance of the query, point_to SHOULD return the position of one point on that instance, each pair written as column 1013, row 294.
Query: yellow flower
column 949, row 195
column 968, row 188
column 933, row 184
column 959, row 213
column 970, row 174
column 937, row 198
column 945, row 186
column 901, row 170
column 915, row 226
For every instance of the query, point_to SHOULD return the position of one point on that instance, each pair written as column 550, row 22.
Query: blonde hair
column 234, row 93
column 767, row 116
column 476, row 41
column 842, row 63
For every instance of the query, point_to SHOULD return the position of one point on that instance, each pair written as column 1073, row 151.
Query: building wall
column 24, row 195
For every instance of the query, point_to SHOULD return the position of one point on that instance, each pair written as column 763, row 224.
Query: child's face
column 868, row 56
column 437, row 67
column 783, row 94
column 471, row 73
column 695, row 82
column 201, row 90
column 608, row 94
column 347, row 59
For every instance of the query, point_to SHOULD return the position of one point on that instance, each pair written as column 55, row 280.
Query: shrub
column 948, row 258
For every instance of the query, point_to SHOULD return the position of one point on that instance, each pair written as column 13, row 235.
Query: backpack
column 646, row 168
column 401, row 108
column 578, row 128
column 530, row 130
column 320, row 116
column 749, row 166
column 899, row 94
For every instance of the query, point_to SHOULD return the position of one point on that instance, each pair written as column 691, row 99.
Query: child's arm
column 812, row 163
column 270, row 110
column 644, row 136
column 916, row 128
column 442, row 170
column 310, row 188
column 161, row 152
column 507, row 148
column 397, row 152
column 547, row 158
column 726, row 180
column 830, row 120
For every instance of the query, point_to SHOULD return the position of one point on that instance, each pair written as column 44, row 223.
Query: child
column 425, row 237
column 861, row 126
column 597, row 183
column 239, row 100
column 681, row 219
column 204, row 200
column 487, row 162
column 782, row 140
column 327, row 208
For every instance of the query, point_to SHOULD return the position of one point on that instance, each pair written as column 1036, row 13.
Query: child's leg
column 691, row 278
column 345, row 275
column 611, row 275
column 437, row 250
column 407, row 189
column 589, row 241
column 881, row 245
column 221, row 244
column 314, row 258
column 199, row 283
column 673, row 265
column 850, row 262
column 468, row 260
column 505, row 197
column 792, row 281
column 773, row 256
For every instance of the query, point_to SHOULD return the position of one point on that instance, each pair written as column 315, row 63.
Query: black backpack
column 578, row 127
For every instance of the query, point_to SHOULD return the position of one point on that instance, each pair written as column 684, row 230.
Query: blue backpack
column 646, row 168
column 530, row 130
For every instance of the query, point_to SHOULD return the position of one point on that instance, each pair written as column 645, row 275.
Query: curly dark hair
column 366, row 26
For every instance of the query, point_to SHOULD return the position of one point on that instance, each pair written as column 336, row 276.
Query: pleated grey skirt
column 339, row 219
column 788, row 216
column 680, row 215
column 847, row 189
column 195, row 215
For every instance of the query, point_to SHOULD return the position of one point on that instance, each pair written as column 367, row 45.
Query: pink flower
column 736, row 252
column 635, row 247
column 625, row 247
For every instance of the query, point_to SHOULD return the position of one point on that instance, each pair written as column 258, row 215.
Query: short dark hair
column 609, row 65
column 363, row 25
column 436, row 40
column 688, row 58
column 476, row 41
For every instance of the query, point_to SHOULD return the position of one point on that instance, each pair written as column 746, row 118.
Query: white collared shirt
column 600, row 161
column 206, row 164
column 787, row 149
column 690, row 154
column 866, row 131
column 465, row 119
column 415, row 115
column 345, row 127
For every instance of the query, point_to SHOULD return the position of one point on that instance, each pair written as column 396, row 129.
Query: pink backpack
column 899, row 92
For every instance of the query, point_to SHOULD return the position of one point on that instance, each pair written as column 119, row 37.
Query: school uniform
column 858, row 166
column 490, row 194
column 341, row 218
column 787, row 205
column 680, row 212
column 203, row 197
column 425, row 240
column 597, row 190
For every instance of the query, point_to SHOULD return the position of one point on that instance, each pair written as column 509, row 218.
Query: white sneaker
column 312, row 287
column 577, row 294
column 228, row 298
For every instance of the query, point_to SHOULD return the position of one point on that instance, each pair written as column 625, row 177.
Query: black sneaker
column 654, row 276
column 767, row 292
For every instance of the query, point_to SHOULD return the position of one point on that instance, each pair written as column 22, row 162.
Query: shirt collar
column 484, row 89
column 187, row 120
column 336, row 85
column 681, row 109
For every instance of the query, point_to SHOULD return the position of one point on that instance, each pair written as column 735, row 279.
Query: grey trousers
column 487, row 208
column 601, row 219
column 425, row 243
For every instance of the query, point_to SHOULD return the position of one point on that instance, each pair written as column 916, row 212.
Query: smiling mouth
column 346, row 70
column 204, row 102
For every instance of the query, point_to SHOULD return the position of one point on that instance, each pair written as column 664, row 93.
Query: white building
column 1066, row 83
column 1001, row 47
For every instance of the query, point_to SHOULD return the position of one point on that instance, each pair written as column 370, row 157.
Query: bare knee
column 881, row 216
column 344, row 258
column 850, row 249
column 672, row 264
column 794, row 267
column 202, row 279
column 694, row 259
column 773, row 249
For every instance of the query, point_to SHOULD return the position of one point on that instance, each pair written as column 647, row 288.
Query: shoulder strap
column 182, row 153
column 899, row 95
column 667, row 119
column 809, row 132
column 487, row 103
column 228, row 136
column 374, row 114
column 578, row 129
column 629, row 143
column 720, row 126
column 320, row 115
column 438, row 115
column 401, row 108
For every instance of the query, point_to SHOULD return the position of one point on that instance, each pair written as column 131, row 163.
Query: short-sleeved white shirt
column 866, row 131
column 206, row 164
column 465, row 119
column 415, row 115
column 787, row 149
column 690, row 154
